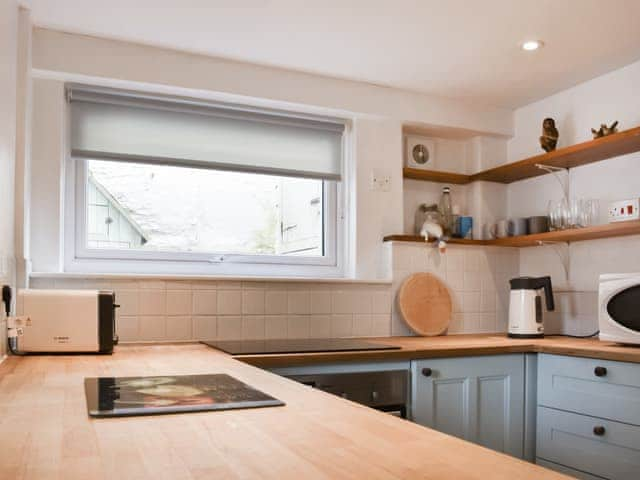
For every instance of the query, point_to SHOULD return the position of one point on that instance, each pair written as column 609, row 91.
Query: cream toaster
column 65, row 321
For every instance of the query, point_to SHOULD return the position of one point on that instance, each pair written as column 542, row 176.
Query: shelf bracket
column 554, row 171
column 564, row 257
column 551, row 168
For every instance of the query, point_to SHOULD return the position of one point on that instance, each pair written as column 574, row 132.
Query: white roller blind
column 124, row 126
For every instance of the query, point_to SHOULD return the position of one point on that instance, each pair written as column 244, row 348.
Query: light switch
column 380, row 180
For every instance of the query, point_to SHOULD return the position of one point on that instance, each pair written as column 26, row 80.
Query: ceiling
column 466, row 49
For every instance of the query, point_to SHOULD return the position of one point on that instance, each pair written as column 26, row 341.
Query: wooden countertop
column 45, row 432
column 456, row 346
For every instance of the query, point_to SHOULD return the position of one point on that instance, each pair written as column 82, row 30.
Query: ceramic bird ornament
column 431, row 230
column 603, row 131
column 549, row 138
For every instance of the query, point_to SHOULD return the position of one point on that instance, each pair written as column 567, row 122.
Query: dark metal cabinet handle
column 600, row 371
column 599, row 430
column 427, row 372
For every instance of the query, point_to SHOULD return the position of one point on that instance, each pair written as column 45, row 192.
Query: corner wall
column 613, row 96
column 8, row 102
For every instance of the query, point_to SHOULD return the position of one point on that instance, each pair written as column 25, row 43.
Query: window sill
column 247, row 278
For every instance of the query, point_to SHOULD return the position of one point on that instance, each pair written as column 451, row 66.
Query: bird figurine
column 549, row 138
column 603, row 131
column 431, row 230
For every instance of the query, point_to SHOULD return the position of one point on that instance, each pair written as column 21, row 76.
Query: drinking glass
column 575, row 209
column 558, row 214
column 590, row 211
column 555, row 216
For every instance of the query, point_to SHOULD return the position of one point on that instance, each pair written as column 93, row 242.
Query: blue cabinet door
column 480, row 399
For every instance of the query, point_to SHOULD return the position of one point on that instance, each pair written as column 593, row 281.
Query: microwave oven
column 619, row 307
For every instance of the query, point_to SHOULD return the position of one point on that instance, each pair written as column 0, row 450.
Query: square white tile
column 253, row 327
column 229, row 328
column 229, row 302
column 298, row 326
column 275, row 326
column 299, row 302
column 320, row 326
column 127, row 329
column 276, row 302
column 152, row 302
column 320, row 301
column 204, row 327
column 253, row 302
column 152, row 328
column 205, row 302
column 179, row 328
column 179, row 302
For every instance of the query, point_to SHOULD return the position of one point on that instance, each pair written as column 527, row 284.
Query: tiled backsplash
column 159, row 310
column 477, row 278
column 576, row 313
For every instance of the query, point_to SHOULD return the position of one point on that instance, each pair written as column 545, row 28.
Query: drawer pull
column 599, row 430
column 600, row 371
column 427, row 372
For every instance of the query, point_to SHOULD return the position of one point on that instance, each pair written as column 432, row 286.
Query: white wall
column 8, row 69
column 613, row 96
column 378, row 115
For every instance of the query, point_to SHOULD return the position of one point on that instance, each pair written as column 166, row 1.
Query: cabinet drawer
column 601, row 447
column 600, row 388
column 566, row 470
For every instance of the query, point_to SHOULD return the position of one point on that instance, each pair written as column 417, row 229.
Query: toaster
column 65, row 321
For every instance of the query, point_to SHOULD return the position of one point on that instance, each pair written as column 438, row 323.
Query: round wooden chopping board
column 425, row 304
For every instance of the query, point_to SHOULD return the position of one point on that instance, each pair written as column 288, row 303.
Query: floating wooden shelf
column 419, row 239
column 571, row 235
column 584, row 153
column 436, row 176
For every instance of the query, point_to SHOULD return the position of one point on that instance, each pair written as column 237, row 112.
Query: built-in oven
column 383, row 390
column 619, row 307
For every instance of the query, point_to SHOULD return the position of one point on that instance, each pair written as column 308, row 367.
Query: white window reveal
column 166, row 185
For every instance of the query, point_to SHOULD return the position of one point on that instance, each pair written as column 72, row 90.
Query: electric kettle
column 525, row 306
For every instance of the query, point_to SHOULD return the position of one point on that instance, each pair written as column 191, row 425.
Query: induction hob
column 126, row 396
column 310, row 345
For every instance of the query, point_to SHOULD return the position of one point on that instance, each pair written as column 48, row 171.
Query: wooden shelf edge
column 621, row 143
column 436, row 176
column 610, row 230
column 419, row 239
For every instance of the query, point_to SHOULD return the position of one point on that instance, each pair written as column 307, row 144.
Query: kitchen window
column 165, row 185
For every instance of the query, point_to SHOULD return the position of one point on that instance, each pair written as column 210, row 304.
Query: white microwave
column 619, row 307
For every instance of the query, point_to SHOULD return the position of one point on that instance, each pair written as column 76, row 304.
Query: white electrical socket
column 380, row 180
column 623, row 210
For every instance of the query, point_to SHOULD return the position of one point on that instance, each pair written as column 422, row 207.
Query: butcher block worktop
column 456, row 346
column 45, row 432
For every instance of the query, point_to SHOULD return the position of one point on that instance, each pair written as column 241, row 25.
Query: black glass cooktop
column 311, row 345
column 124, row 396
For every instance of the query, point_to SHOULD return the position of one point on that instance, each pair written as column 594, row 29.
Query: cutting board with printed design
column 425, row 304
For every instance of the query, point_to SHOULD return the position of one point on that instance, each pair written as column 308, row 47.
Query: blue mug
column 465, row 225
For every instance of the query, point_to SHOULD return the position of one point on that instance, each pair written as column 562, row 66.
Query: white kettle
column 525, row 306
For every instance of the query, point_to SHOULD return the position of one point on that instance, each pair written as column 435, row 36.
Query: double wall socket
column 623, row 210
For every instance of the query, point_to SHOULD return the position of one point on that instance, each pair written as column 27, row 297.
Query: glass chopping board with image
column 125, row 396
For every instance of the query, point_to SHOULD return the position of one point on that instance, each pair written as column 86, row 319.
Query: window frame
column 79, row 258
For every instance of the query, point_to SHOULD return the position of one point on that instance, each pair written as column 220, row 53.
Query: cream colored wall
column 476, row 277
column 8, row 102
column 613, row 96
column 378, row 115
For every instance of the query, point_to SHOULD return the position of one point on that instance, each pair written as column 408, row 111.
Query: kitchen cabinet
column 479, row 399
column 567, row 471
column 589, row 416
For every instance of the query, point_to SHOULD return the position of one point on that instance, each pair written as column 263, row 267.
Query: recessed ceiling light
column 532, row 45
